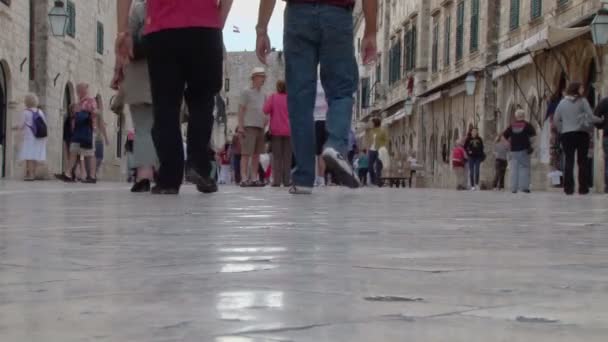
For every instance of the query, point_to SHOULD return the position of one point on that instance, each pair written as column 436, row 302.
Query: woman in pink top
column 276, row 109
column 184, row 49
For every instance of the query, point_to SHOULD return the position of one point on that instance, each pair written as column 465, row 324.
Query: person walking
column 320, row 33
column 133, row 83
column 501, row 151
column 174, row 64
column 33, row 127
column 224, row 164
column 378, row 140
column 363, row 166
column 573, row 119
column 83, row 129
column 459, row 160
column 601, row 111
column 476, row 155
column 280, row 135
column 235, row 151
column 520, row 135
column 251, row 125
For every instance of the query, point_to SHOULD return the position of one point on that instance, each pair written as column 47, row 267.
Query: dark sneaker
column 66, row 179
column 526, row 191
column 206, row 185
column 259, row 184
column 90, row 180
column 300, row 190
column 342, row 169
column 141, row 186
column 159, row 190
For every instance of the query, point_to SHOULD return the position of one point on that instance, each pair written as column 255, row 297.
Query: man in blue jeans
column 320, row 33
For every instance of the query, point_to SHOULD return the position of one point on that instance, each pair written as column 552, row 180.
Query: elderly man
column 184, row 48
column 252, row 122
column 320, row 33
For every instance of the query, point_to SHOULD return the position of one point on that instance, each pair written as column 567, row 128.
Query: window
column 395, row 63
column 536, row 9
column 227, row 85
column 474, row 25
column 410, row 39
column 460, row 31
column 559, row 2
column 100, row 38
column 514, row 15
column 447, row 40
column 379, row 71
column 365, row 91
column 32, row 58
column 71, row 25
column 435, row 50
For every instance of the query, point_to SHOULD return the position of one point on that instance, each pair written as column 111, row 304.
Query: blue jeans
column 318, row 34
column 474, row 166
column 375, row 168
column 520, row 171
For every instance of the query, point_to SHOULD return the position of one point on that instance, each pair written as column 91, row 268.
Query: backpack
column 38, row 127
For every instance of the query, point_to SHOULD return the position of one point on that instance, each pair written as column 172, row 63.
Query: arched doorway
column 68, row 100
column 3, row 114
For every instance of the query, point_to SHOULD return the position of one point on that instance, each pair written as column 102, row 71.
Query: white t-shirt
column 373, row 147
column 320, row 111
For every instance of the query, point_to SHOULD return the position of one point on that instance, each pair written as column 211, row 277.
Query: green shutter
column 514, row 18
column 100, row 38
column 460, row 31
column 536, row 9
column 435, row 49
column 71, row 26
column 562, row 2
column 474, row 25
column 447, row 42
column 398, row 62
column 414, row 42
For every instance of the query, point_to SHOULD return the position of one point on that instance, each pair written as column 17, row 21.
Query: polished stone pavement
column 96, row 263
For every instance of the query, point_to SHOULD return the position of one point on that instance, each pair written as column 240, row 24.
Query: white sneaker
column 473, row 189
column 341, row 168
column 300, row 190
column 320, row 181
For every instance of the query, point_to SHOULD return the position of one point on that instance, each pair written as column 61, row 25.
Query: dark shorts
column 320, row 136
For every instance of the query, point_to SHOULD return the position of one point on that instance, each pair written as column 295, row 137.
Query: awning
column 516, row 64
column 394, row 118
column 549, row 37
column 431, row 98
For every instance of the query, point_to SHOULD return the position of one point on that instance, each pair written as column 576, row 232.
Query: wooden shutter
column 536, row 9
column 460, row 31
column 474, row 25
column 514, row 14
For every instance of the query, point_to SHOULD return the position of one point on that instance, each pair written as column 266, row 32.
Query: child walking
column 459, row 157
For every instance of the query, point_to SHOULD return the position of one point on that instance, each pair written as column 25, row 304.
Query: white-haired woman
column 33, row 149
column 520, row 135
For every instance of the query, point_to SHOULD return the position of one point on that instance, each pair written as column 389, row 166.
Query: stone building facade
column 519, row 53
column 33, row 60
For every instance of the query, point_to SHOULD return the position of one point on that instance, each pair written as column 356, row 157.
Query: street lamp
column 408, row 106
column 58, row 18
column 470, row 83
column 599, row 26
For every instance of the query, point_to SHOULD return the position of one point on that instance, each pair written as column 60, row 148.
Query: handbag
column 587, row 121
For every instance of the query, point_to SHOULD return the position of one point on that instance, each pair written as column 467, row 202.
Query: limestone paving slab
column 97, row 263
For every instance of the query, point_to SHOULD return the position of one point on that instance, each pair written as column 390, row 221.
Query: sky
column 244, row 15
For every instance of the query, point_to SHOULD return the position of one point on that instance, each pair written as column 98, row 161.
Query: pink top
column 176, row 14
column 276, row 107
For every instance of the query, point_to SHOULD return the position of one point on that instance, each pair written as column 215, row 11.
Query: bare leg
column 255, row 165
column 33, row 165
column 245, row 168
column 71, row 163
column 145, row 172
column 92, row 166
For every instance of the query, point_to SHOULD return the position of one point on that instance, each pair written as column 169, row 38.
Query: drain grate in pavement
column 523, row 319
column 392, row 299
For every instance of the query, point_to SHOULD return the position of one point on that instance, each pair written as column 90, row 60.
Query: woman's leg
column 277, row 162
column 582, row 150
column 287, row 156
column 144, row 152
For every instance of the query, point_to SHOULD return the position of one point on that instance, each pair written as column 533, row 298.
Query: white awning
column 431, row 98
column 393, row 118
column 516, row 64
column 549, row 37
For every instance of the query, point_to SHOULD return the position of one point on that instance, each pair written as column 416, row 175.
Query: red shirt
column 459, row 156
column 340, row 3
column 276, row 107
column 176, row 14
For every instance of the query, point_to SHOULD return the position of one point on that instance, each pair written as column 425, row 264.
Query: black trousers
column 182, row 59
column 501, row 170
column 576, row 143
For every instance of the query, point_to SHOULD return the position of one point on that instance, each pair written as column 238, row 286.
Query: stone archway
column 4, row 82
